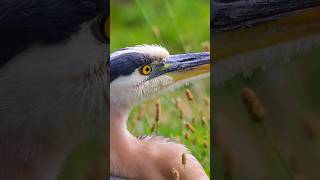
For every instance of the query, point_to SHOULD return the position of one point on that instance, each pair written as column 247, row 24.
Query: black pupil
column 147, row 69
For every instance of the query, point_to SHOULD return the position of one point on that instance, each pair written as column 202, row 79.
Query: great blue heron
column 53, row 58
column 138, row 73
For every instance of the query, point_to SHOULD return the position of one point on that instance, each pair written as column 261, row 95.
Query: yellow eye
column 101, row 28
column 146, row 70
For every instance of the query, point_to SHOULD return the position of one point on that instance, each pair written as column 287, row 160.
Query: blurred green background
column 285, row 145
column 179, row 26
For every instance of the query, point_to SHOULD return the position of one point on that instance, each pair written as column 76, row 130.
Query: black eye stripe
column 126, row 64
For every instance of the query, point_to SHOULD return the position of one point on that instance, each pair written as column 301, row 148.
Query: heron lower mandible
column 138, row 73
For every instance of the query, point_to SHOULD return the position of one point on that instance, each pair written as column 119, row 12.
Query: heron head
column 141, row 72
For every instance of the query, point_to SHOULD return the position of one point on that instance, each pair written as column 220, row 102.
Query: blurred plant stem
column 275, row 150
column 176, row 27
column 258, row 115
column 147, row 18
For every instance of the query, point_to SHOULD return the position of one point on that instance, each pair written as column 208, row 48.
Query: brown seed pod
column 253, row 105
column 184, row 159
column 190, row 127
column 174, row 174
column 158, row 110
column 189, row 95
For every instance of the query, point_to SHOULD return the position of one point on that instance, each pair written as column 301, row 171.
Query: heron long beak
column 183, row 66
column 262, row 36
column 281, row 26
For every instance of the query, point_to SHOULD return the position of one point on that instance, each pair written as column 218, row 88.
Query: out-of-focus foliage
column 180, row 26
column 285, row 144
column 177, row 25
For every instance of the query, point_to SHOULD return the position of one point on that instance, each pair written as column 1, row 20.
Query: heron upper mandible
column 138, row 73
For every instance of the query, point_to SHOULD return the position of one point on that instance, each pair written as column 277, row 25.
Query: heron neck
column 120, row 137
column 118, row 122
column 121, row 140
column 127, row 152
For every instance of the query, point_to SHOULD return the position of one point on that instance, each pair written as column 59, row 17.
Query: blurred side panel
column 265, row 115
column 54, row 90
